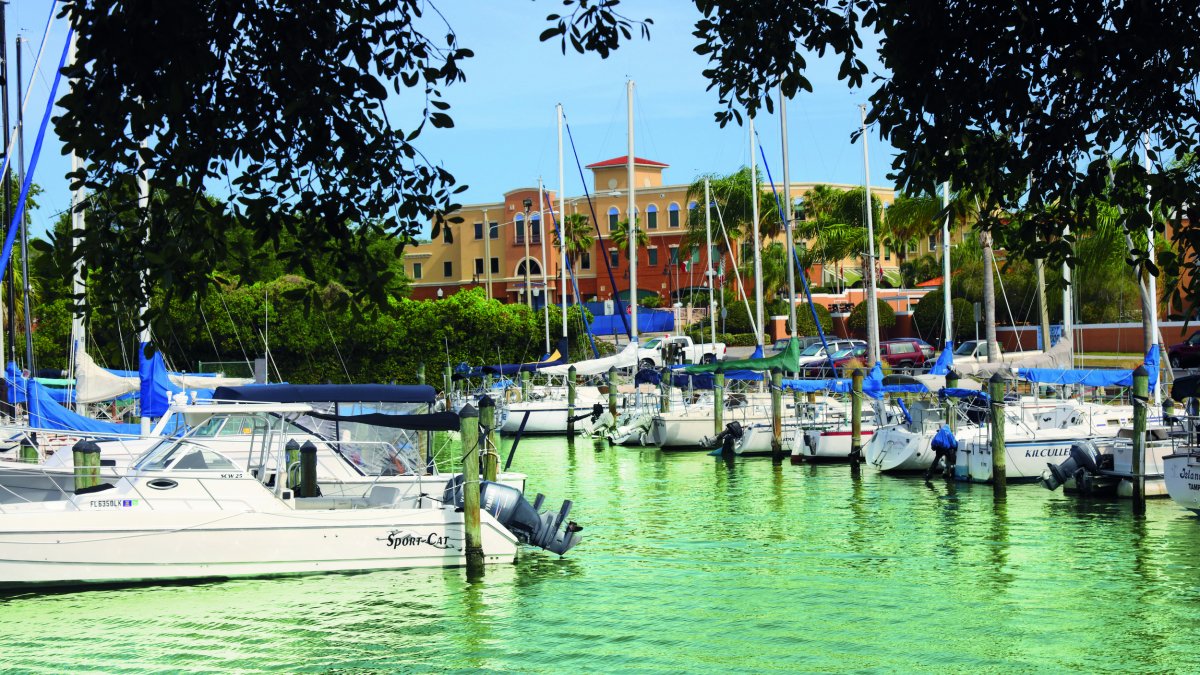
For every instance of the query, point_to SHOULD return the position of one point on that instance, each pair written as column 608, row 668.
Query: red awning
column 932, row 283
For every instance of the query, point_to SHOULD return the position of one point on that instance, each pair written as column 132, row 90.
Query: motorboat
column 186, row 510
column 1104, row 468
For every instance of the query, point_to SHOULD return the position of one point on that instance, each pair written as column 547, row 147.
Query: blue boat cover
column 157, row 388
column 904, row 409
column 328, row 393
column 958, row 392
column 46, row 413
column 648, row 376
column 944, row 360
column 873, row 386
column 557, row 357
column 1093, row 377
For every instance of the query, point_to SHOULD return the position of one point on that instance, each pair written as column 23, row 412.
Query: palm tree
column 733, row 195
column 578, row 232
column 835, row 224
column 908, row 220
column 620, row 236
column 774, row 270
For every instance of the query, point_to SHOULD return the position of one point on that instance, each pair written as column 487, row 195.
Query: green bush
column 804, row 320
column 737, row 339
column 651, row 302
column 858, row 316
column 929, row 312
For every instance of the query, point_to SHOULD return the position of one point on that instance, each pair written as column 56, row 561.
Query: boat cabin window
column 184, row 456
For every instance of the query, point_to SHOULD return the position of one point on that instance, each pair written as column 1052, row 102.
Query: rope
column 599, row 237
column 236, row 336
column 325, row 318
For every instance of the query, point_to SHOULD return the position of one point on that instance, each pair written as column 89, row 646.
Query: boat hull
column 817, row 445
column 110, row 546
column 1181, row 476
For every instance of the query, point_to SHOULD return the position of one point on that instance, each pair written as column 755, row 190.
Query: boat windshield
column 966, row 349
column 812, row 350
column 183, row 455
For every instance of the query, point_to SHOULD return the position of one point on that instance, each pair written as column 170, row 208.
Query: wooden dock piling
column 856, row 402
column 612, row 391
column 996, row 424
column 487, row 429
column 776, row 413
column 468, row 427
column 718, row 401
column 951, row 383
column 1141, row 392
column 571, row 402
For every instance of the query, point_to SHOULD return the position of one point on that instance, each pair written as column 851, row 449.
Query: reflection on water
column 694, row 563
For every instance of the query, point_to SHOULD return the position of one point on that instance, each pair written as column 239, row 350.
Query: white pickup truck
column 976, row 351
column 652, row 352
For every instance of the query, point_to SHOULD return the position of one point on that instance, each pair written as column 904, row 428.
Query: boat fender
column 1084, row 459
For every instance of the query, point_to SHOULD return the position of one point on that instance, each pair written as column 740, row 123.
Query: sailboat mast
column 8, row 279
column 787, row 215
column 24, row 220
column 78, row 328
column 712, row 278
column 758, row 284
column 632, row 231
column 143, row 186
column 542, row 236
column 872, row 307
column 562, row 224
column 1152, row 281
column 1067, row 305
column 947, row 306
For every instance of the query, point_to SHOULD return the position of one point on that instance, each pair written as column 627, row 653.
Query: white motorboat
column 832, row 440
column 186, row 511
column 1181, row 477
column 1104, row 468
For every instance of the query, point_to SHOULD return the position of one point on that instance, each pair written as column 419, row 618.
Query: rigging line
column 599, row 237
column 271, row 357
column 325, row 318
column 796, row 261
column 236, row 335
column 574, row 283
column 1004, row 294
column 28, row 93
column 733, row 259
column 216, row 352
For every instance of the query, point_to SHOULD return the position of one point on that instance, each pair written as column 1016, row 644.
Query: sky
column 504, row 135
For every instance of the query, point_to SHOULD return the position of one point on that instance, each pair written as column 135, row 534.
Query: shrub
column 928, row 314
column 651, row 302
column 804, row 319
column 858, row 317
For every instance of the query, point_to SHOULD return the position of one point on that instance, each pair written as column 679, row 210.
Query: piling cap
column 486, row 401
column 952, row 374
column 468, row 410
column 1141, row 371
column 997, row 378
column 86, row 446
column 308, row 448
column 291, row 445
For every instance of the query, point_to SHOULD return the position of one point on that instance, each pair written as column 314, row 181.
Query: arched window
column 652, row 217
column 673, row 215
column 614, row 216
column 535, row 228
column 535, row 268
column 692, row 207
column 519, row 228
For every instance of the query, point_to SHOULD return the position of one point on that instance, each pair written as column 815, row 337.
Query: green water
column 693, row 564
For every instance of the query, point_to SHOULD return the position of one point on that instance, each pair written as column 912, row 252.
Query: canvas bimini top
column 331, row 393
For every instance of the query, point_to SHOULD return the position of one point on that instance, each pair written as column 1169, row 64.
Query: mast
column 947, row 306
column 542, row 237
column 758, row 285
column 143, row 186
column 78, row 328
column 487, row 250
column 1152, row 281
column 712, row 278
column 24, row 220
column 787, row 216
column 632, row 230
column 872, row 307
column 7, row 201
column 562, row 223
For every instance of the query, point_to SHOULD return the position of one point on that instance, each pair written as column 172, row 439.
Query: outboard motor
column 509, row 507
column 727, row 439
column 1084, row 459
column 945, row 451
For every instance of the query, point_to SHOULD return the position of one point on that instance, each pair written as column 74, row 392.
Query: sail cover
column 94, row 384
column 787, row 360
column 626, row 358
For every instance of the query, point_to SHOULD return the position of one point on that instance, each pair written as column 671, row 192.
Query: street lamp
column 527, row 203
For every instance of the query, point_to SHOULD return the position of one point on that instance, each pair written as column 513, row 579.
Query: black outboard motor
column 1084, row 459
column 945, row 452
column 509, row 507
column 728, row 438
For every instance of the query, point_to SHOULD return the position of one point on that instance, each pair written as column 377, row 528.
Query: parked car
column 782, row 343
column 903, row 353
column 927, row 349
column 1186, row 354
column 683, row 350
column 975, row 351
column 814, row 358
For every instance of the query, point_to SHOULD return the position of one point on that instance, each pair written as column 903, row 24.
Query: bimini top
column 330, row 393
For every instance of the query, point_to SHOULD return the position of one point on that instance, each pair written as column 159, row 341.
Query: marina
column 770, row 567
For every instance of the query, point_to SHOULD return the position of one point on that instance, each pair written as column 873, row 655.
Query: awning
column 935, row 282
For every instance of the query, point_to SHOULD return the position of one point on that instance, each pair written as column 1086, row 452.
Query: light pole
column 528, row 204
column 487, row 251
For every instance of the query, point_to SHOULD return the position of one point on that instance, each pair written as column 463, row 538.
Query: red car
column 1186, row 354
column 902, row 353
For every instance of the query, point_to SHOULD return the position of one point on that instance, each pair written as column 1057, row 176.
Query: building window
column 495, row 230
column 446, row 236
column 614, row 257
column 534, row 268
column 695, row 255
column 887, row 252
column 519, row 223
column 673, row 215
column 416, row 270
column 478, row 231
column 674, row 255
column 653, row 261
column 692, row 207
column 448, row 269
column 585, row 260
column 479, row 266
column 652, row 217
column 535, row 229
column 614, row 216
column 932, row 243
column 495, row 266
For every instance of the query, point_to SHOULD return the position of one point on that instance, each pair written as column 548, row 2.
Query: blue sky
column 504, row 134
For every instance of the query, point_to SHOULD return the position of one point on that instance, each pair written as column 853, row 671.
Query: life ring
column 511, row 394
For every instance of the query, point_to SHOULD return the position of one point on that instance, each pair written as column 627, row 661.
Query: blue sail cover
column 46, row 413
column 557, row 357
column 944, row 361
column 157, row 388
column 1093, row 377
column 873, row 386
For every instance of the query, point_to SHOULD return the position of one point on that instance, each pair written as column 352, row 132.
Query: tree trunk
column 989, row 299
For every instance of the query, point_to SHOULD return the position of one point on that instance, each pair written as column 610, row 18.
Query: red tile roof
column 621, row 161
